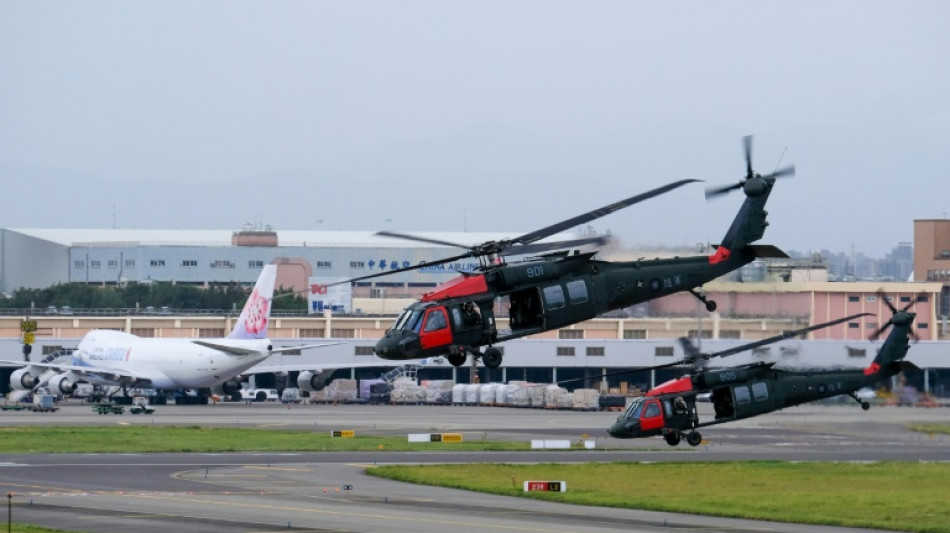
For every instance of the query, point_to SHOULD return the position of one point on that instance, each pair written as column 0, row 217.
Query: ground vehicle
column 43, row 403
column 260, row 395
column 290, row 395
column 140, row 406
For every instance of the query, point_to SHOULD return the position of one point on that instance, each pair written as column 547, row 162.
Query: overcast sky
column 477, row 115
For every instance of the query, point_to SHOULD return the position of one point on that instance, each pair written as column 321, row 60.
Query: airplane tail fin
column 252, row 324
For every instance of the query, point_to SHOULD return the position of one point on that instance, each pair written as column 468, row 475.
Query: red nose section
column 722, row 254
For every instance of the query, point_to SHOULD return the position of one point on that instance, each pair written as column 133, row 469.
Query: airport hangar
column 778, row 298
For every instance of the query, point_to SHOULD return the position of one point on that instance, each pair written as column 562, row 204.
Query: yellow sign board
column 345, row 433
column 28, row 338
column 28, row 326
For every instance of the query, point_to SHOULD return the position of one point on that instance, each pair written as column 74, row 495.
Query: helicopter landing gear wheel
column 492, row 357
column 457, row 359
column 693, row 438
column 711, row 306
column 672, row 438
column 865, row 406
column 701, row 296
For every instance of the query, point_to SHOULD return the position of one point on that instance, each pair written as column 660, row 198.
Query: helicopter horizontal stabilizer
column 907, row 366
column 766, row 250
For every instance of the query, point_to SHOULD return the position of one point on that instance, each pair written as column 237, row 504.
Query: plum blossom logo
column 257, row 309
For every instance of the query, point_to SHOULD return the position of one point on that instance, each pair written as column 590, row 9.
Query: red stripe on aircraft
column 722, row 254
column 684, row 384
column 457, row 287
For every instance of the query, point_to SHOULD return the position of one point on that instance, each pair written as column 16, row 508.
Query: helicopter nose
column 398, row 345
column 623, row 428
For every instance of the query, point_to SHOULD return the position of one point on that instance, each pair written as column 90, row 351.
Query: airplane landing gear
column 701, row 296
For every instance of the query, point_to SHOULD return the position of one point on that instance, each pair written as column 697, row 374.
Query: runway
column 328, row 491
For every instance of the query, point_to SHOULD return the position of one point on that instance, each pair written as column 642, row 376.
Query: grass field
column 151, row 439
column 906, row 496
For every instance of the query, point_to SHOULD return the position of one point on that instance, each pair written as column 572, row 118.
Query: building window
column 143, row 332
column 570, row 334
column 554, row 297
column 922, row 325
column 663, row 351
column 870, row 298
column 95, row 263
column 565, row 350
column 577, row 292
column 210, row 333
column 922, row 298
column 853, row 325
column 189, row 263
column 157, row 262
column 255, row 264
column 315, row 333
column 363, row 350
column 870, row 325
column 854, row 299
column 357, row 264
column 596, row 350
column 112, row 263
column 634, row 333
column 222, row 263
column 79, row 264
column 762, row 351
column 730, row 334
column 324, row 264
column 130, row 263
column 343, row 333
column 706, row 333
column 856, row 352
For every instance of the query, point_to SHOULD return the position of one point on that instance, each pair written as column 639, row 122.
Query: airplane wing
column 267, row 369
column 107, row 373
column 235, row 350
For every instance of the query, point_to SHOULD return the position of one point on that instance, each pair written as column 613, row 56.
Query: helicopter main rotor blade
column 784, row 335
column 597, row 213
column 887, row 302
column 541, row 247
column 787, row 171
column 403, row 269
column 421, row 239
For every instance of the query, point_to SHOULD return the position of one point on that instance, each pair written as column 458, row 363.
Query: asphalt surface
column 252, row 492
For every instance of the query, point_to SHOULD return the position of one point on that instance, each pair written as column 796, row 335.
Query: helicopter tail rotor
column 897, row 316
column 752, row 182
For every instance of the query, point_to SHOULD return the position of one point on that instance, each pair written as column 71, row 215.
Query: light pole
column 9, row 512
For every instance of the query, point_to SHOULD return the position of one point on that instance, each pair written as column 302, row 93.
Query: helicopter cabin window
column 760, row 391
column 554, row 297
column 409, row 320
column 633, row 410
column 742, row 394
column 664, row 351
column 435, row 320
column 577, row 292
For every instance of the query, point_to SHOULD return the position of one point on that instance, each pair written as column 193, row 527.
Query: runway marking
column 43, row 488
column 285, row 469
column 308, row 510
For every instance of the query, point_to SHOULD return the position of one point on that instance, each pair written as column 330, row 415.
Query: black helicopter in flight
column 554, row 289
column 669, row 409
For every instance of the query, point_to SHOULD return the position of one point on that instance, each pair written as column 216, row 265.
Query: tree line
column 225, row 296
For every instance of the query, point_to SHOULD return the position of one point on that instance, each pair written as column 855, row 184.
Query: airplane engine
column 312, row 381
column 228, row 388
column 61, row 384
column 22, row 379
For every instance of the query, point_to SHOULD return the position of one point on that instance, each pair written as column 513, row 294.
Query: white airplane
column 109, row 357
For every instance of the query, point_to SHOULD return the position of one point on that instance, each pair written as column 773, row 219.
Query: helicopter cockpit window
column 554, row 297
column 410, row 320
column 436, row 320
column 633, row 410
column 577, row 292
